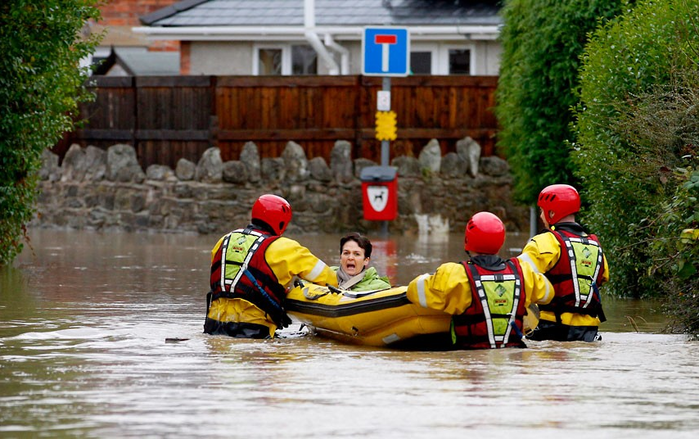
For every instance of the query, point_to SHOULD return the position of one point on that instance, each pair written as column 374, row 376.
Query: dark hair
column 362, row 241
column 263, row 225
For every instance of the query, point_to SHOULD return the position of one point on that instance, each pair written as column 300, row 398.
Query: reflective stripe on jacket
column 577, row 303
column 239, row 271
column 449, row 288
column 577, row 275
column 495, row 317
column 276, row 261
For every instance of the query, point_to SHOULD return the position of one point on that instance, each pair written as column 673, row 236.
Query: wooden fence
column 168, row 118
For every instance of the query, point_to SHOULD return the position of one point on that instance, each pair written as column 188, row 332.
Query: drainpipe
column 343, row 51
column 309, row 21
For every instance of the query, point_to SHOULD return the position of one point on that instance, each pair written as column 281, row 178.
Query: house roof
column 140, row 62
column 329, row 13
column 143, row 62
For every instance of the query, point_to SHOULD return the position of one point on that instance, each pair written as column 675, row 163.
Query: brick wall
column 185, row 58
column 119, row 16
column 126, row 12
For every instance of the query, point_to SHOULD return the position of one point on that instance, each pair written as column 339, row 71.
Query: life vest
column 495, row 317
column 239, row 271
column 577, row 274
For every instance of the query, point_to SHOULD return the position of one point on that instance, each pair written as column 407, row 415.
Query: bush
column 40, row 85
column 667, row 119
column 633, row 131
column 677, row 243
column 542, row 43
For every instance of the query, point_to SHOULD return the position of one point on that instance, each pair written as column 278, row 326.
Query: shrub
column 542, row 42
column 40, row 85
column 633, row 132
column 677, row 244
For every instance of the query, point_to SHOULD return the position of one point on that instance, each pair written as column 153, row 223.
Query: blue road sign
column 386, row 51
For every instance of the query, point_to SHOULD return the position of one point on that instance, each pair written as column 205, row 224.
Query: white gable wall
column 488, row 54
column 220, row 58
column 237, row 57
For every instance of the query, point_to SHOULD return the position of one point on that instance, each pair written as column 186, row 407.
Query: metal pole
column 385, row 149
column 532, row 221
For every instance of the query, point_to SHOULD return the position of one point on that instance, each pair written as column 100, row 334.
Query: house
column 124, row 52
column 241, row 79
column 324, row 37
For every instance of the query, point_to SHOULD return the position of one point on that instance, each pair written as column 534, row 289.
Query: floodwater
column 85, row 320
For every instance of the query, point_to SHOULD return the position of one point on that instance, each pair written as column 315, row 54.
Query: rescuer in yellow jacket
column 251, row 269
column 574, row 262
column 488, row 297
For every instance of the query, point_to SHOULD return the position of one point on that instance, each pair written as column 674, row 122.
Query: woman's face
column 352, row 259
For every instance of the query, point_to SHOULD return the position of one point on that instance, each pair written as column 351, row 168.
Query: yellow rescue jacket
column 449, row 289
column 286, row 259
column 543, row 252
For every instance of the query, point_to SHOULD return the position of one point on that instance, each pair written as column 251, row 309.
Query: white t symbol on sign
column 385, row 41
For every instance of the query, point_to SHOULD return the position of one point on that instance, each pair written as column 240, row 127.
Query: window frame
column 444, row 49
column 286, row 57
column 433, row 49
column 286, row 48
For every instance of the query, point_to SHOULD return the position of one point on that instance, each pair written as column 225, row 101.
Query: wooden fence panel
column 109, row 119
column 168, row 118
column 174, row 118
column 313, row 111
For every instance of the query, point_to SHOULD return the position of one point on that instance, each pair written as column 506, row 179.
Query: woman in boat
column 354, row 272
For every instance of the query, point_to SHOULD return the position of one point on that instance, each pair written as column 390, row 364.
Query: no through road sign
column 386, row 51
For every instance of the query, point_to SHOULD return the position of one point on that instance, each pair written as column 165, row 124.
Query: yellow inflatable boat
column 374, row 318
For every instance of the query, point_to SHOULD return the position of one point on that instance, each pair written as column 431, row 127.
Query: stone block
column 430, row 157
column 185, row 170
column 235, row 172
column 296, row 162
column 341, row 161
column 210, row 167
column 250, row 156
column 122, row 164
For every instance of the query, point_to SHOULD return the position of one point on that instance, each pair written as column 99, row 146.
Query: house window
column 459, row 61
column 442, row 59
column 285, row 59
column 269, row 62
column 421, row 63
column 304, row 60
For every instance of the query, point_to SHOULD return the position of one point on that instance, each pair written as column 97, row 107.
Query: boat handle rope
column 298, row 283
column 307, row 294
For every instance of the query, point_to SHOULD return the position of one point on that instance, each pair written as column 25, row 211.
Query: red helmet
column 485, row 233
column 558, row 201
column 274, row 211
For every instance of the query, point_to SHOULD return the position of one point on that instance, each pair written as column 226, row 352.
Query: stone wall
column 97, row 189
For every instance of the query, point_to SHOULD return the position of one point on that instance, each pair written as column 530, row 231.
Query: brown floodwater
column 84, row 318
